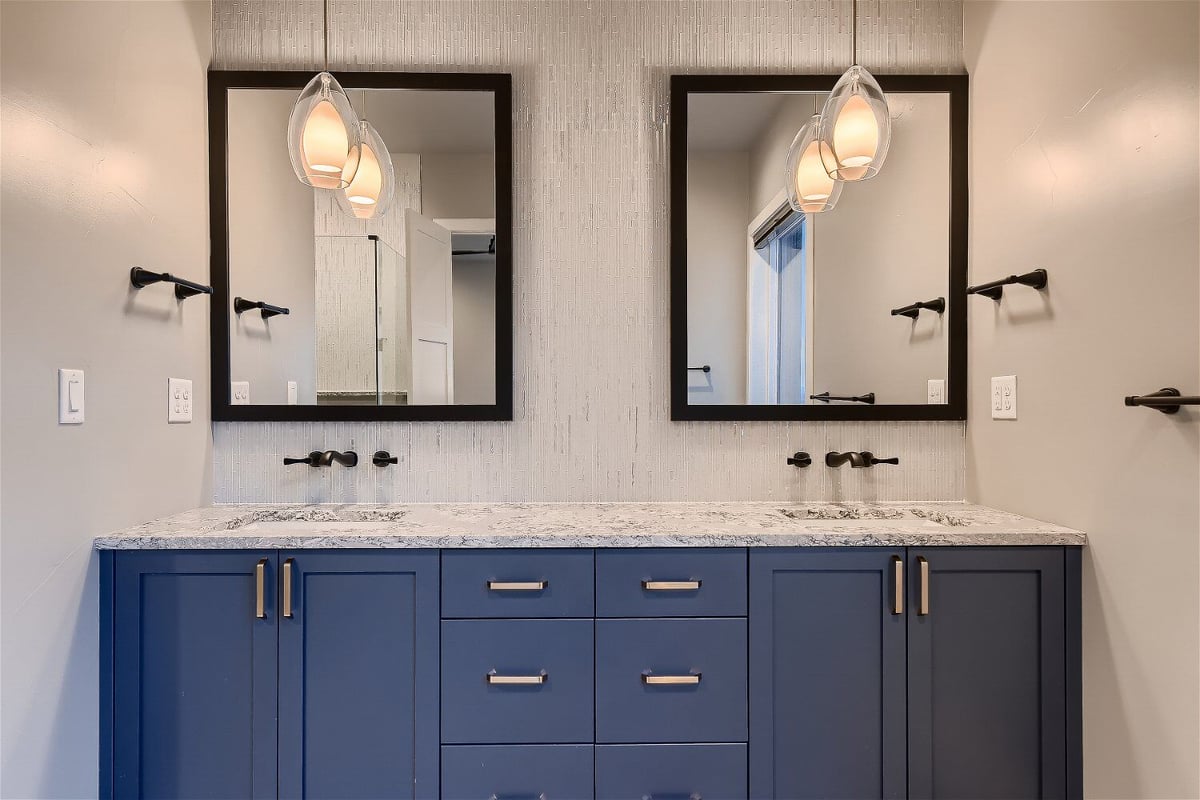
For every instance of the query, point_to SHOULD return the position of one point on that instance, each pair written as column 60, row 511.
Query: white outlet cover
column 239, row 393
column 292, row 395
column 937, row 391
column 1004, row 397
column 70, row 397
column 179, row 400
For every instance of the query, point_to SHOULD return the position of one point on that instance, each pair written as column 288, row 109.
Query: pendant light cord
column 853, row 31
column 325, row 30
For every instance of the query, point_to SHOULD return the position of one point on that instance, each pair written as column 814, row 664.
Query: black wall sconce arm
column 937, row 304
column 995, row 290
column 1167, row 400
column 825, row 397
column 141, row 278
column 241, row 305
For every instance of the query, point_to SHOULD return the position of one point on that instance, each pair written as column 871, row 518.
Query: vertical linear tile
column 590, row 99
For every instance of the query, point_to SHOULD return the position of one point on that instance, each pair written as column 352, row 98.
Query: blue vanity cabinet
column 189, row 682
column 987, row 665
column 358, row 674
column 827, row 674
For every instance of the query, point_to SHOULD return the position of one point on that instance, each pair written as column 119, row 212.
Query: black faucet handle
column 382, row 458
column 313, row 459
column 871, row 460
column 800, row 459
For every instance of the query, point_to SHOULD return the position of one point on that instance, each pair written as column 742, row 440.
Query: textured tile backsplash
column 592, row 418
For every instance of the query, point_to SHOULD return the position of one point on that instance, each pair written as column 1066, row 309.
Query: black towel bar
column 937, row 304
column 705, row 368
column 141, row 278
column 994, row 290
column 825, row 397
column 1167, row 400
column 241, row 305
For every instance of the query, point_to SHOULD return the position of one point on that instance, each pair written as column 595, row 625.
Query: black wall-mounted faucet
column 857, row 460
column 318, row 459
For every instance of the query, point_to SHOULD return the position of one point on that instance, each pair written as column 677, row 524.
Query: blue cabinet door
column 518, row 772
column 987, row 673
column 358, row 674
column 827, row 674
column 193, row 675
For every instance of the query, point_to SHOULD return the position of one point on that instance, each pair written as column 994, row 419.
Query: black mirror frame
column 219, row 83
column 957, row 87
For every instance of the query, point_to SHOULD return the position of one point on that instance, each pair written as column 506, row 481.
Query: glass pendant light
column 810, row 189
column 856, row 125
column 369, row 191
column 323, row 131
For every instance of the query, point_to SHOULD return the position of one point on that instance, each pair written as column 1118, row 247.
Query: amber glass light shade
column 856, row 127
column 369, row 192
column 323, row 135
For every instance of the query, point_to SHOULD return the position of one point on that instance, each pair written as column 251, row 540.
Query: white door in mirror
column 239, row 393
column 1004, row 397
column 179, row 400
column 70, row 396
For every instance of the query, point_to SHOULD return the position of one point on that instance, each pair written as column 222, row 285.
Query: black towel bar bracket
column 241, row 305
column 141, row 278
column 995, row 290
column 937, row 304
column 705, row 368
column 1167, row 400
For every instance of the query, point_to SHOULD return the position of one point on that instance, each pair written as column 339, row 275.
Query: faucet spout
column 346, row 459
column 856, row 460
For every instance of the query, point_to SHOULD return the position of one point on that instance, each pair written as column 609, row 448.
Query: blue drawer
column 517, row 772
column 671, row 680
column 517, row 681
column 671, row 771
column 671, row 582
column 517, row 583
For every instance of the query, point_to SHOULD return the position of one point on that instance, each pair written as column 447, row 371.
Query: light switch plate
column 937, row 391
column 70, row 397
column 1004, row 397
column 179, row 400
column 239, row 393
column 291, row 393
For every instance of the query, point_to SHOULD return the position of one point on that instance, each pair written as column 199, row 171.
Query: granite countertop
column 468, row 525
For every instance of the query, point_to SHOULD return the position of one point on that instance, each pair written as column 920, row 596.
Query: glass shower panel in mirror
column 399, row 309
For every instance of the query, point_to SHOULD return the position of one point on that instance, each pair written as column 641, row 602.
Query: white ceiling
column 735, row 122
column 426, row 121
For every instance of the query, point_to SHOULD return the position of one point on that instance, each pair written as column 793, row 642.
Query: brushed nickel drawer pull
column 260, row 579
column 287, row 588
column 923, row 604
column 517, row 586
column 898, row 590
column 496, row 796
column 692, row 796
column 670, row 586
column 517, row 680
column 671, row 680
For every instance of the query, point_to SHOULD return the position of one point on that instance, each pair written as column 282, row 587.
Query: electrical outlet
column 179, row 400
column 239, row 393
column 1004, row 397
column 70, row 397
column 936, row 391
column 291, row 393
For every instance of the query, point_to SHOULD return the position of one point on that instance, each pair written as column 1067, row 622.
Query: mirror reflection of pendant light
column 323, row 132
column 369, row 191
column 856, row 125
column 809, row 187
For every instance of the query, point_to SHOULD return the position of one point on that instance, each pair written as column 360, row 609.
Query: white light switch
column 239, row 392
column 179, row 400
column 1004, row 397
column 292, row 395
column 937, row 391
column 70, row 396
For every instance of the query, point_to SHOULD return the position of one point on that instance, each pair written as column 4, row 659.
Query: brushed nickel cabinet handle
column 692, row 796
column 287, row 588
column 260, row 598
column 690, row 679
column 671, row 586
column 923, row 601
column 517, row 680
column 517, row 586
column 898, row 591
column 497, row 796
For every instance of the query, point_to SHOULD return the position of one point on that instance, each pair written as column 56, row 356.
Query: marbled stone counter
column 459, row 525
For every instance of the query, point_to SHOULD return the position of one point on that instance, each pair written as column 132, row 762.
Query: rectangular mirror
column 781, row 314
column 322, row 315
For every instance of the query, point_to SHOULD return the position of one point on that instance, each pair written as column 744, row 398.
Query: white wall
column 104, row 131
column 591, row 301
column 718, row 213
column 1084, row 131
column 474, row 330
column 458, row 185
column 271, row 251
